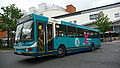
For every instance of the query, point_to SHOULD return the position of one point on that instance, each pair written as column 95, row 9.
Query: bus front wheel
column 61, row 51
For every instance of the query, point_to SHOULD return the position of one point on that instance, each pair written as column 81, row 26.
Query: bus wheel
column 92, row 47
column 61, row 51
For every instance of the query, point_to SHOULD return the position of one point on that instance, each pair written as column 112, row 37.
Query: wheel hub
column 60, row 51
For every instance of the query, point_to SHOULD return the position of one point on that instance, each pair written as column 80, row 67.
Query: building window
column 70, row 21
column 75, row 21
column 117, row 15
column 93, row 16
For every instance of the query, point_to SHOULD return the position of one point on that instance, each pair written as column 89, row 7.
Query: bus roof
column 40, row 17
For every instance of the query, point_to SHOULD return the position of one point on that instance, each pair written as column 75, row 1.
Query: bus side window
column 80, row 32
column 91, row 34
column 61, row 30
column 50, row 36
column 49, row 27
column 96, row 35
column 71, row 31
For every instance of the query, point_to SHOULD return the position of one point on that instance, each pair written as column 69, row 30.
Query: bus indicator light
column 29, row 49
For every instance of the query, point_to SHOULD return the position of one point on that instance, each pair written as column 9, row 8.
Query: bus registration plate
column 19, row 52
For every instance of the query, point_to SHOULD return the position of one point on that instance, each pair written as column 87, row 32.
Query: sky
column 79, row 4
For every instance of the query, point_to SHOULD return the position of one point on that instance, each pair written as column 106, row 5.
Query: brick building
column 2, row 33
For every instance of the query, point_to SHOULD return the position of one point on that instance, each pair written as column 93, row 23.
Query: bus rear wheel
column 92, row 47
column 61, row 51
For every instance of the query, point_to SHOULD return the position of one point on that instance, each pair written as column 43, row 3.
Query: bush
column 3, row 45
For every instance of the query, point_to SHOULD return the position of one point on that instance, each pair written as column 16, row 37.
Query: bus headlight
column 14, row 48
column 26, row 49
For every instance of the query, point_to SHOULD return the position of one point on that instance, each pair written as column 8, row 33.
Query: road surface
column 108, row 56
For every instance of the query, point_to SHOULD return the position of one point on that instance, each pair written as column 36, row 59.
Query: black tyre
column 92, row 47
column 61, row 51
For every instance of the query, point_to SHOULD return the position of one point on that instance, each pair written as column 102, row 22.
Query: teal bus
column 38, row 35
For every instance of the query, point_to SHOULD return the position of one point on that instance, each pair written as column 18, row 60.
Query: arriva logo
column 86, row 41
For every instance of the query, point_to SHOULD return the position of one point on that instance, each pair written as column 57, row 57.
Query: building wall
column 52, row 13
column 116, row 26
column 84, row 18
column 2, row 33
column 32, row 10
column 46, row 10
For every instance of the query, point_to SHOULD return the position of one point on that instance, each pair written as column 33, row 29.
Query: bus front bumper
column 25, row 54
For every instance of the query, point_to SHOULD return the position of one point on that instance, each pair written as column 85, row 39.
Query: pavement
column 5, row 50
column 116, row 41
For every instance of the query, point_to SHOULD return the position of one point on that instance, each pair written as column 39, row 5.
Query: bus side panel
column 73, row 46
column 69, row 42
column 96, row 42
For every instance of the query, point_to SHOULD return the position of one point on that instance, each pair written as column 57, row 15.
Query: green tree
column 9, row 17
column 102, row 23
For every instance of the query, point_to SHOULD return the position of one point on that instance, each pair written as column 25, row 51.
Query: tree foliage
column 9, row 18
column 103, row 23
